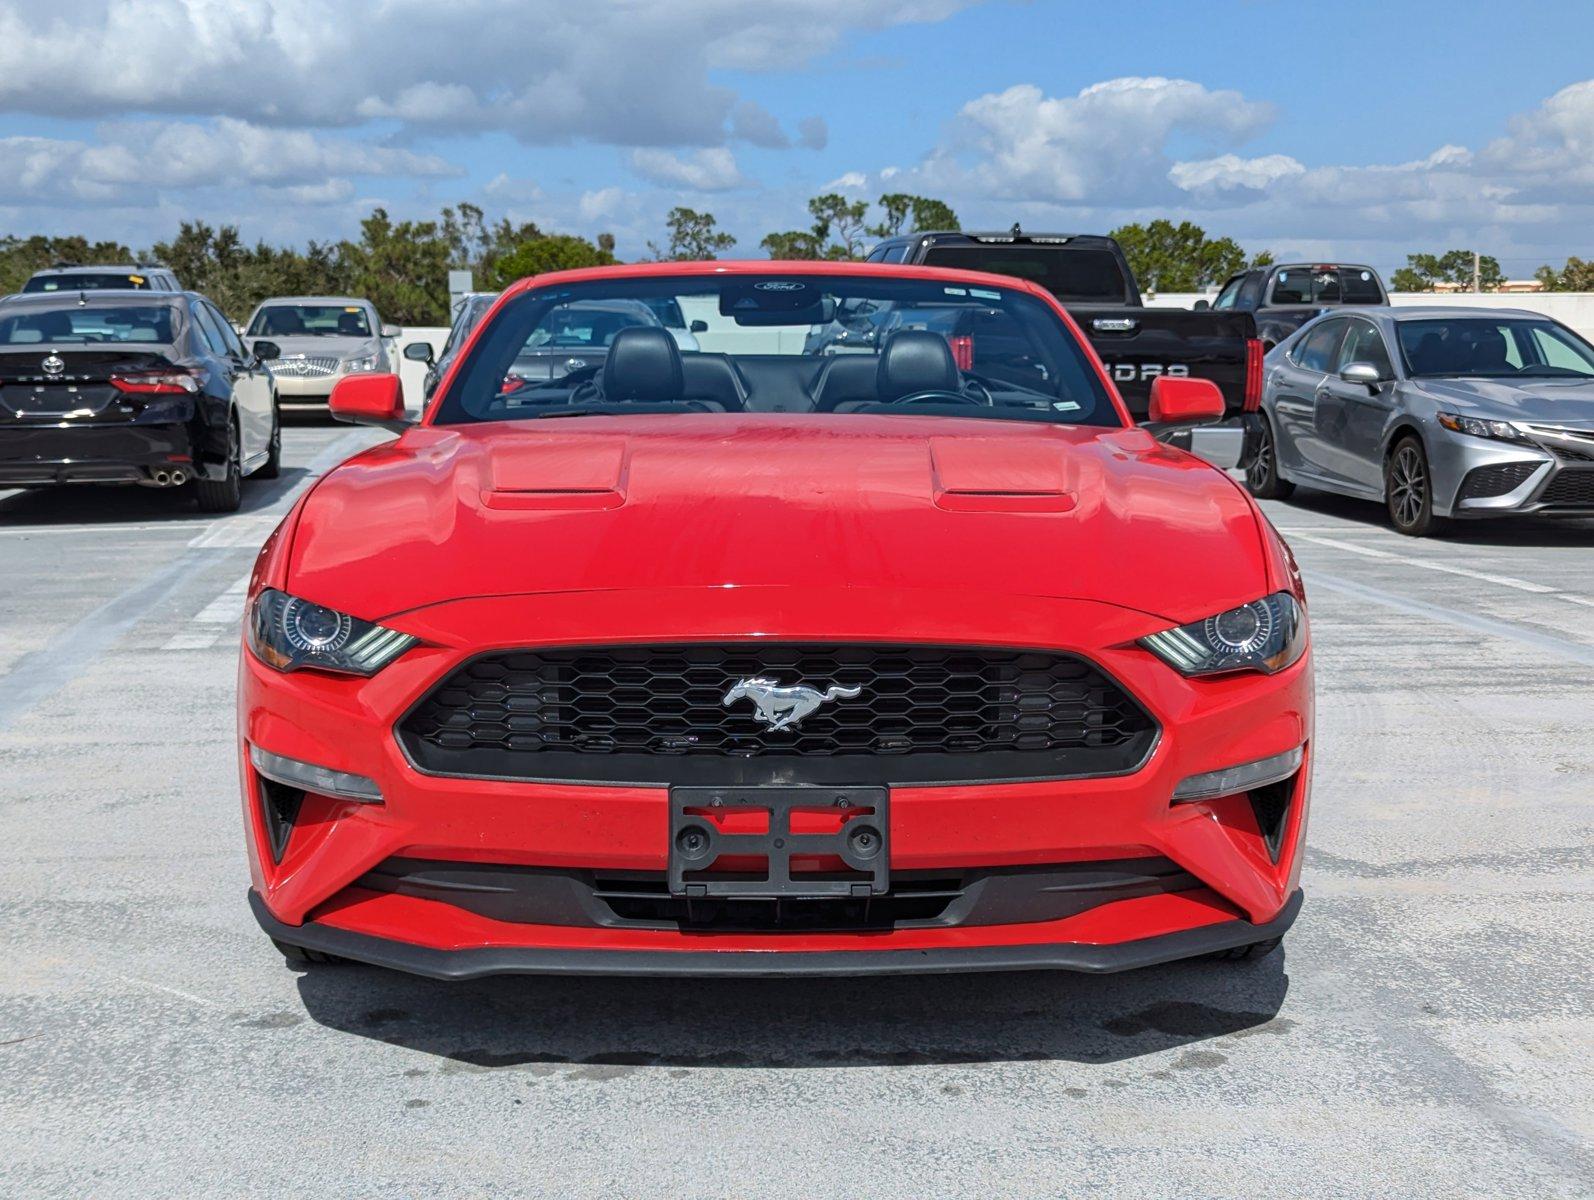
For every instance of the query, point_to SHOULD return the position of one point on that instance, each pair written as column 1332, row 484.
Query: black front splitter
column 520, row 960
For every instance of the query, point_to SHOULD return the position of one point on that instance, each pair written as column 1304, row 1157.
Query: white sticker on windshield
column 1066, row 405
column 952, row 291
column 985, row 295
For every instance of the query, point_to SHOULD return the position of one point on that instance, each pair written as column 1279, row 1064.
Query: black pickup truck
column 1092, row 279
column 1284, row 297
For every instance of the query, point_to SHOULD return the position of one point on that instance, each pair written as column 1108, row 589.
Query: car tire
column 1262, row 476
column 298, row 956
column 223, row 495
column 1408, row 489
column 272, row 467
column 1244, row 953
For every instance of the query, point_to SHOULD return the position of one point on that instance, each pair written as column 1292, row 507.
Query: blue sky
column 1362, row 130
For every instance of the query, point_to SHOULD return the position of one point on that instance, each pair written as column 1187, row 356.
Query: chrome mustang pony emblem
column 783, row 707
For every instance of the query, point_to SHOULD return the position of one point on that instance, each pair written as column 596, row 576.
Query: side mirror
column 370, row 400
column 1183, row 402
column 391, row 331
column 1201, row 305
column 1362, row 372
column 265, row 351
column 419, row 352
column 698, row 327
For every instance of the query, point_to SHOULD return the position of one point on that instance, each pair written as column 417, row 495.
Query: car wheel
column 1254, row 950
column 299, row 956
column 1408, row 489
column 1262, row 476
column 223, row 495
column 272, row 467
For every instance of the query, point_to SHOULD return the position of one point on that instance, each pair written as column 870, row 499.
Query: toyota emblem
column 53, row 364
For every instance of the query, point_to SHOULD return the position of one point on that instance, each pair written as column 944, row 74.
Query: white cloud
column 143, row 157
column 1230, row 171
column 628, row 74
column 712, row 169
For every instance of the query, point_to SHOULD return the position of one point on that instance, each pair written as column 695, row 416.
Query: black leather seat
column 913, row 361
column 644, row 365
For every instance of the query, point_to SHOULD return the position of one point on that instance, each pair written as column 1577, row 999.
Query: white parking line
column 1521, row 585
column 235, row 531
column 217, row 619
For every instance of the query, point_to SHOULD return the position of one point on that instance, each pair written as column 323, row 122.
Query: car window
column 88, row 325
column 311, row 320
column 1316, row 351
column 88, row 281
column 878, row 254
column 1293, row 286
column 1360, row 286
column 1493, row 346
column 895, row 254
column 1230, row 293
column 1556, row 349
column 1070, row 273
column 773, row 344
column 1364, row 344
column 229, row 335
column 208, row 332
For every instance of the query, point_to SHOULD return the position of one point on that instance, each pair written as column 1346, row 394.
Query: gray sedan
column 1438, row 412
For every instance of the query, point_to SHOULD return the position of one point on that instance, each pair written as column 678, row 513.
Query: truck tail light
column 962, row 352
column 1253, row 375
column 172, row 382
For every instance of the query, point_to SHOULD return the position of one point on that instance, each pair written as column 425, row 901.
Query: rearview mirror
column 370, row 400
column 391, row 331
column 1201, row 305
column 698, row 327
column 265, row 351
column 1362, row 372
column 1185, row 402
column 419, row 352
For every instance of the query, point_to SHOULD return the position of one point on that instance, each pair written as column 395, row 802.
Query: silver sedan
column 1437, row 412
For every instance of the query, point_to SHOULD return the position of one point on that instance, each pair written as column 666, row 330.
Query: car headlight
column 354, row 366
column 1265, row 635
column 1502, row 431
column 288, row 633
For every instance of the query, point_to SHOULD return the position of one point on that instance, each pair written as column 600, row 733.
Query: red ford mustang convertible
column 790, row 653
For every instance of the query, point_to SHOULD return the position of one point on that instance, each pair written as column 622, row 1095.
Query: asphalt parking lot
column 1427, row 1031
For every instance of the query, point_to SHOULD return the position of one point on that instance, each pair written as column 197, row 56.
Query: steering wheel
column 938, row 396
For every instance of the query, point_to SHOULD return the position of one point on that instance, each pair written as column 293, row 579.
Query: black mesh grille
column 1572, row 488
column 657, row 714
column 1496, row 480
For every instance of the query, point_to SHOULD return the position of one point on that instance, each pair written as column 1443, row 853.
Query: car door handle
column 1114, row 324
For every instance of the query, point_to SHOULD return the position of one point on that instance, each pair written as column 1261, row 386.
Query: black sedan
column 125, row 387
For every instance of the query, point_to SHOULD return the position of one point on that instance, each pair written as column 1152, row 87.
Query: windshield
column 779, row 343
column 85, row 281
column 1511, row 347
column 1071, row 273
column 310, row 320
column 89, row 326
column 1326, row 285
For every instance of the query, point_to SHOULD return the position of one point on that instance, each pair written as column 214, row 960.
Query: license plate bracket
column 698, row 839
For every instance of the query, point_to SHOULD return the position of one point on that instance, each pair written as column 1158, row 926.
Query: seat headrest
column 643, row 364
column 915, row 360
column 1489, row 351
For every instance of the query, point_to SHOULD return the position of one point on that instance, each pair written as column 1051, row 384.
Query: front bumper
column 474, row 963
column 311, row 893
column 314, row 391
column 35, row 455
column 1477, row 478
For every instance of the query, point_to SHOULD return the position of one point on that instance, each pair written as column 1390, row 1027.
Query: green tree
column 793, row 244
column 839, row 227
column 1423, row 271
column 547, row 252
column 402, row 268
column 1576, row 276
column 21, row 257
column 476, row 246
column 1180, row 258
column 237, row 277
column 905, row 213
column 694, row 237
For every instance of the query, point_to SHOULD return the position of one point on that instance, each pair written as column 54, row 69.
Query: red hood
column 897, row 502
